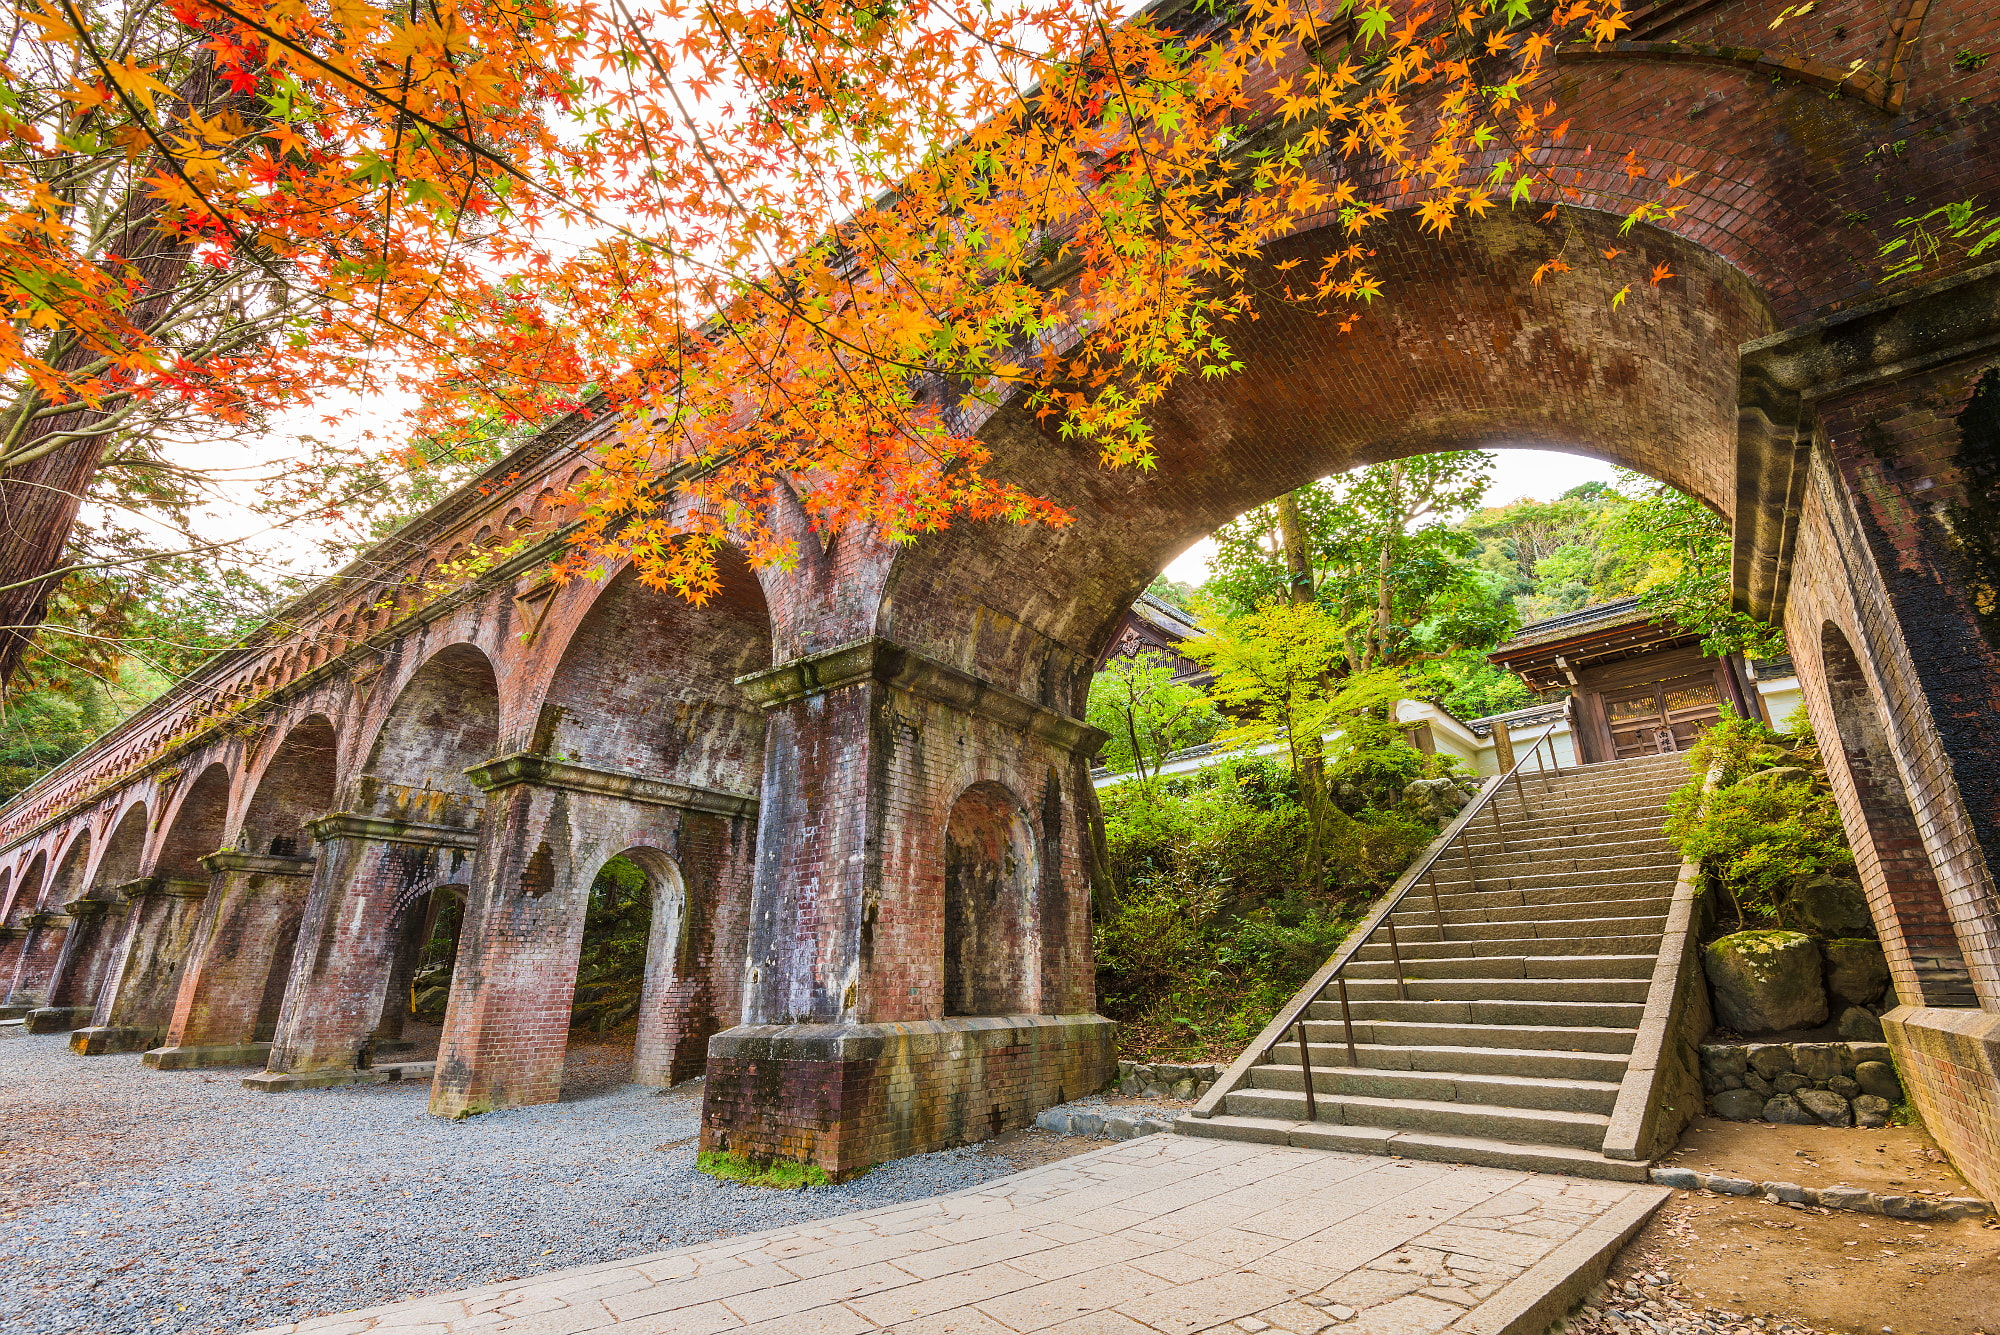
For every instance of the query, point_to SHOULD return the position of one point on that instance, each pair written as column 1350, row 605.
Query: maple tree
column 802, row 249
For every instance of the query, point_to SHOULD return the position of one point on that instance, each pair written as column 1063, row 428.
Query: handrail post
column 1464, row 852
column 1306, row 1068
column 1540, row 768
column 1499, row 831
column 1347, row 1021
column 1396, row 954
column 1436, row 907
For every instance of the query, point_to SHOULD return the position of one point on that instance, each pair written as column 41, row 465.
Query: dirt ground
column 1830, row 1270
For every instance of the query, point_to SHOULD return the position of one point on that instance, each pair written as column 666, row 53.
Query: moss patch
column 781, row 1174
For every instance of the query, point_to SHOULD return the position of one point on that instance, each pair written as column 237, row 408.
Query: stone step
column 1540, row 1093
column 1498, row 894
column 1530, row 1126
column 1379, row 964
column 1634, row 875
column 1497, row 989
column 1611, row 906
column 1571, row 852
column 1331, row 1036
column 1415, row 1145
column 1558, row 1014
column 1574, row 947
column 1542, row 1063
column 1416, row 927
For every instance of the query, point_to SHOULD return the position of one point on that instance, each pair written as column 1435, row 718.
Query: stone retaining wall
column 1801, row 1084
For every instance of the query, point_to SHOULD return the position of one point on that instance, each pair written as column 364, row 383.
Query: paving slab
column 1166, row 1234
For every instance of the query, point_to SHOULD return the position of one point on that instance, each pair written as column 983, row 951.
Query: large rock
column 1439, row 799
column 1860, row 1026
column 1787, row 1111
column 1879, row 1079
column 1856, row 971
column 1870, row 1111
column 1829, row 906
column 1827, row 1106
column 1765, row 981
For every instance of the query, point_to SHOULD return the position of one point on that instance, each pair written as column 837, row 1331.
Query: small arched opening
column 991, row 934
column 632, row 897
column 1925, row 961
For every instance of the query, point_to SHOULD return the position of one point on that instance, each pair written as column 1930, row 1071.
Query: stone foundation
column 847, row 1097
column 1951, row 1065
column 98, row 1039
column 56, row 1019
column 214, row 1054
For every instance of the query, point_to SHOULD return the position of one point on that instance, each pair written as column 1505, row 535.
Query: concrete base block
column 279, row 1082
column 14, row 1012
column 56, row 1019
column 96, row 1040
column 847, row 1097
column 219, row 1054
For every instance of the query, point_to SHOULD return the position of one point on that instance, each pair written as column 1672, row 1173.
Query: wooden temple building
column 1642, row 685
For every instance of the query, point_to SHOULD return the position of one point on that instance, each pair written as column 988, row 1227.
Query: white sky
column 1540, row 475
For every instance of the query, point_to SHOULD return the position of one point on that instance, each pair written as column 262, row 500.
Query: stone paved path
column 1168, row 1234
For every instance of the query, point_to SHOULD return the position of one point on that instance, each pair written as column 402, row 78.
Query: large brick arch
column 445, row 719
column 295, row 786
column 646, row 681
column 122, row 854
column 1463, row 353
column 195, row 825
column 22, row 895
column 67, row 882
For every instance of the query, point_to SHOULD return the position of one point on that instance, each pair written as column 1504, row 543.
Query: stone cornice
column 87, row 907
column 892, row 665
column 229, row 860
column 348, row 825
column 524, row 767
column 1785, row 374
column 178, row 887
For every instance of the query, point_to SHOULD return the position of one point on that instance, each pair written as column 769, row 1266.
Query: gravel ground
column 1653, row 1303
column 138, row 1200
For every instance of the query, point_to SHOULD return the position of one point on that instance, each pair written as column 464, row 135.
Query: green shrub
column 1755, row 836
column 1213, row 930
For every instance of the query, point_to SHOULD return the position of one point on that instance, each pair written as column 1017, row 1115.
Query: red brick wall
column 851, row 1096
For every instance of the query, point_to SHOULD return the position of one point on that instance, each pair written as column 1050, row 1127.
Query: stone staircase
column 1511, row 1035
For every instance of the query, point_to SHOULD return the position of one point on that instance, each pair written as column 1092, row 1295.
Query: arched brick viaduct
column 861, row 786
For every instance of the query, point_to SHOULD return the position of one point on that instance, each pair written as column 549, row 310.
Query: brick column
column 225, row 1009
column 88, row 948
column 369, row 873
column 847, row 1056
column 13, row 936
column 37, row 960
column 137, row 997
column 551, row 826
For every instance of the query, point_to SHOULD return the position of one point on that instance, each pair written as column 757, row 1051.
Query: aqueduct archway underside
column 792, row 759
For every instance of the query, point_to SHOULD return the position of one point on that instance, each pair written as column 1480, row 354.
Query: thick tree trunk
column 40, row 498
column 38, row 505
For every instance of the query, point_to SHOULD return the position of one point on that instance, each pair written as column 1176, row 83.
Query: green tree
column 1149, row 716
column 1380, row 554
column 1681, row 551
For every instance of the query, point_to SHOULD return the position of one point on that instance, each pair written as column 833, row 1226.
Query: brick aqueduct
column 860, row 788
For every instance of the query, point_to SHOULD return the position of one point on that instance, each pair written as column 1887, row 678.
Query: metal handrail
column 1424, row 869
